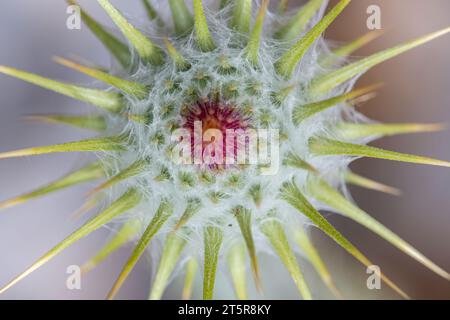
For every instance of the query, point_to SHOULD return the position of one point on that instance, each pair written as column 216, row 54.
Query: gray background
column 417, row 89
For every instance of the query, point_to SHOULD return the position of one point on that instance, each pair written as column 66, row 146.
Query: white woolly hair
column 295, row 138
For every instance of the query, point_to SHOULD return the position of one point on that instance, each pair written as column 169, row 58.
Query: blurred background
column 417, row 90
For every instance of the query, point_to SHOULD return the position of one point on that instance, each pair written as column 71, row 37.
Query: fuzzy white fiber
column 141, row 143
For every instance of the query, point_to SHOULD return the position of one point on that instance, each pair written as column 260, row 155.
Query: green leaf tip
column 236, row 265
column 89, row 145
column 116, row 47
column 305, row 243
column 132, row 170
column 242, row 16
column 244, row 219
column 125, row 234
column 278, row 97
column 132, row 88
column 212, row 238
column 327, row 82
column 293, row 160
column 163, row 212
column 95, row 123
column 111, row 101
column 146, row 49
column 127, row 201
column 88, row 173
column 152, row 13
column 347, row 49
column 173, row 247
column 202, row 34
column 256, row 193
column 181, row 63
column 354, row 131
column 299, row 22
column 303, row 112
column 363, row 182
column 145, row 118
column 274, row 232
column 182, row 18
column 325, row 193
column 288, row 62
column 328, row 147
column 193, row 206
column 292, row 195
column 254, row 42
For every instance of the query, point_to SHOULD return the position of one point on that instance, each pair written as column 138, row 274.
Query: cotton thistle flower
column 239, row 68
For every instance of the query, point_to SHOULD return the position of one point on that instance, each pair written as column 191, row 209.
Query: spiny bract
column 235, row 68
